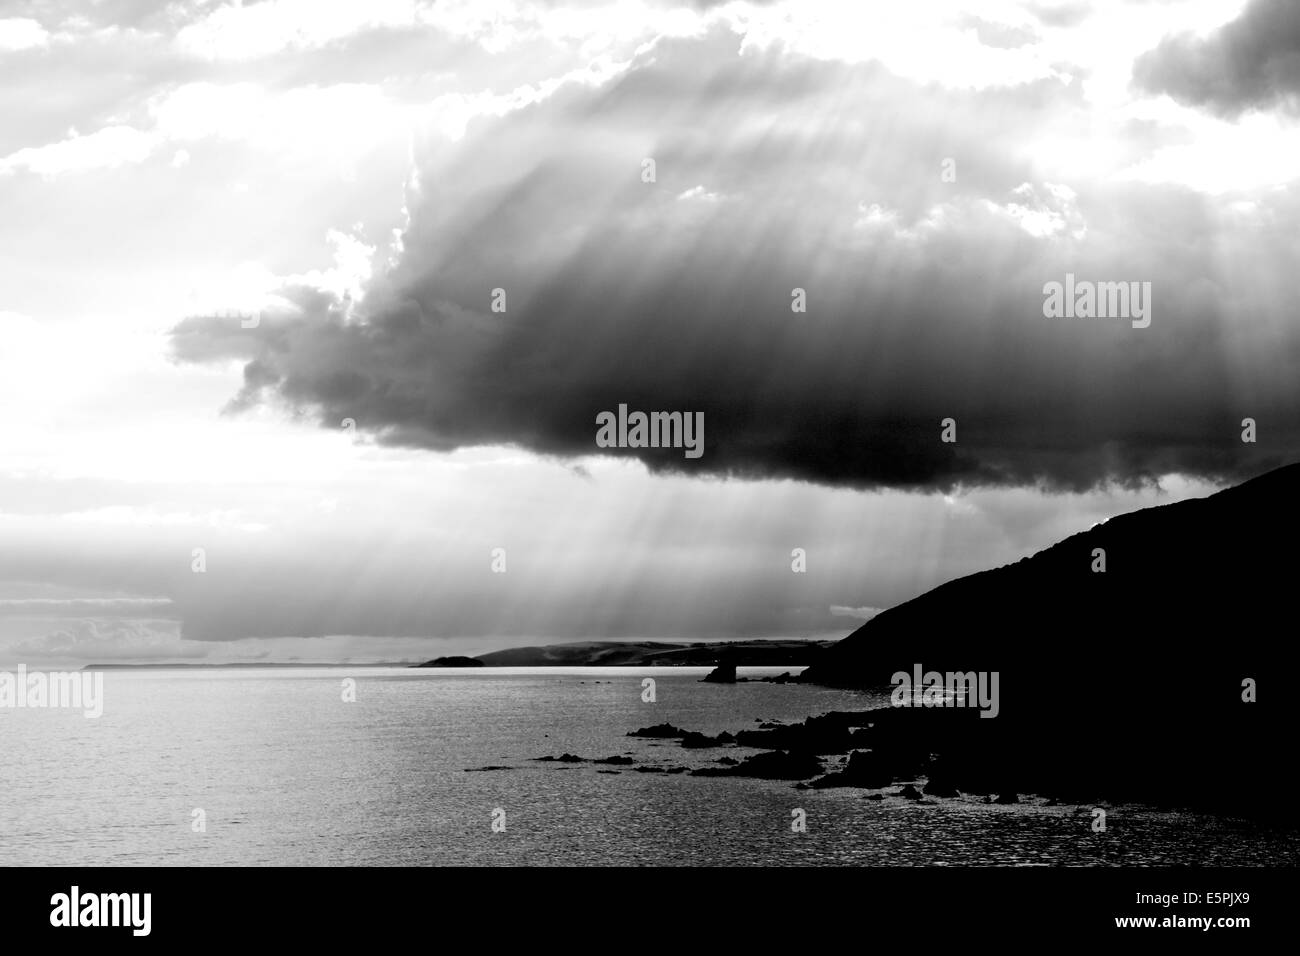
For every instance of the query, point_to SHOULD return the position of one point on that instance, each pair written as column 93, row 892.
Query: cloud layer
column 1253, row 62
column 777, row 172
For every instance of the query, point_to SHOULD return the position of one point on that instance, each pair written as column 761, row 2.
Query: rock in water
column 774, row 765
column 659, row 732
column 722, row 674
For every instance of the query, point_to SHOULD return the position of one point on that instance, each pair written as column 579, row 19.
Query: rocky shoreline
column 929, row 754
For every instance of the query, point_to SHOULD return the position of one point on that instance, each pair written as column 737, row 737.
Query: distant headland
column 756, row 653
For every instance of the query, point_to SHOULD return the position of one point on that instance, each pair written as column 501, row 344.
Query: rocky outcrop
column 864, row 769
column 940, row 787
column 722, row 674
column 693, row 740
column 659, row 732
column 773, row 765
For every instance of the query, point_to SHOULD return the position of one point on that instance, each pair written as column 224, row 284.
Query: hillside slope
column 1134, row 672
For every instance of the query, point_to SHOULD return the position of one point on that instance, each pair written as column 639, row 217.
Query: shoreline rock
column 771, row 765
column 659, row 732
column 722, row 674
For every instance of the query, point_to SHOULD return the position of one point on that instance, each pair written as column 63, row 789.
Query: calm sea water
column 286, row 772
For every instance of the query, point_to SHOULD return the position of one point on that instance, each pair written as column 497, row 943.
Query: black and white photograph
column 765, row 436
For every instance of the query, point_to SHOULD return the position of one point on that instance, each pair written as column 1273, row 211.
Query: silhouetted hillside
column 1131, row 677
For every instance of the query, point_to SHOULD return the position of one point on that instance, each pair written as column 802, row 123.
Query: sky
column 249, row 318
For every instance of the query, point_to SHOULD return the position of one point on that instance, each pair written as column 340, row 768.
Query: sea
column 365, row 765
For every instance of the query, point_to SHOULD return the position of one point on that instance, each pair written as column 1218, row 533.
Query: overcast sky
column 362, row 176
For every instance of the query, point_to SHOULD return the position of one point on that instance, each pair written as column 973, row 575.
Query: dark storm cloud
column 1251, row 63
column 676, row 295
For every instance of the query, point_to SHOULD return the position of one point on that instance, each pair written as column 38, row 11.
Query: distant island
column 775, row 653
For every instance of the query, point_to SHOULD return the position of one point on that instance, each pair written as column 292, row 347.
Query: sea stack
column 722, row 674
